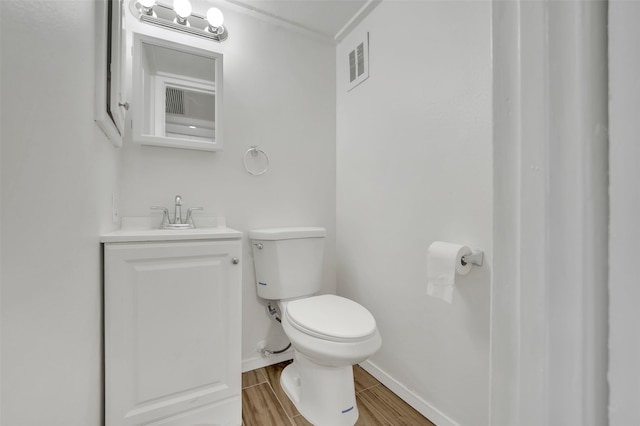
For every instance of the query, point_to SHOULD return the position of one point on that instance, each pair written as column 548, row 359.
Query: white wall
column 414, row 165
column 278, row 94
column 624, row 156
column 58, row 174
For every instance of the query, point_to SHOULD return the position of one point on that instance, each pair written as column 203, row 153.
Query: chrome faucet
column 177, row 214
column 177, row 222
column 189, row 219
column 165, row 216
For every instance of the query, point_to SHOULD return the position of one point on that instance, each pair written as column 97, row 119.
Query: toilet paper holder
column 475, row 258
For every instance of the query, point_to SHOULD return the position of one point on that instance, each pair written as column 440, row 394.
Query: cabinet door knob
column 235, row 260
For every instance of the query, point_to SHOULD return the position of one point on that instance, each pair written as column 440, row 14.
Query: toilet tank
column 287, row 261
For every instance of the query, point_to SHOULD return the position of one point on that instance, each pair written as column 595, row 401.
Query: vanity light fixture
column 180, row 18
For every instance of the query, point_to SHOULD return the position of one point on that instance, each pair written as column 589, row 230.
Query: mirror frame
column 109, row 116
column 139, row 108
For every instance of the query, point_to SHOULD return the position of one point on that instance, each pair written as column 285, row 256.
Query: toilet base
column 325, row 396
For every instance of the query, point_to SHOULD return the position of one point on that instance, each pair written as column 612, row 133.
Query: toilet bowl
column 329, row 333
column 330, row 330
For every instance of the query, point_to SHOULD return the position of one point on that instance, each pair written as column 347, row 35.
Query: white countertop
column 141, row 229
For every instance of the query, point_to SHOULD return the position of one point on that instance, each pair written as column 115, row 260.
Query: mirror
column 177, row 94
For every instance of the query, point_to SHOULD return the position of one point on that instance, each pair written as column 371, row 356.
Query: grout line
column 260, row 381
column 366, row 389
column 275, row 394
column 263, row 373
column 253, row 386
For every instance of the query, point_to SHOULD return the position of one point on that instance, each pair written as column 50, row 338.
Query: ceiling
column 326, row 18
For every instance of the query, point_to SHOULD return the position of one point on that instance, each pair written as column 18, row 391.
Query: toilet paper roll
column 444, row 260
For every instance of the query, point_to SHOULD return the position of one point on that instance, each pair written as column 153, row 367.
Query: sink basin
column 179, row 226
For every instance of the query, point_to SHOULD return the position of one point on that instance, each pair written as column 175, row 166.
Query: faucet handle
column 165, row 216
column 189, row 219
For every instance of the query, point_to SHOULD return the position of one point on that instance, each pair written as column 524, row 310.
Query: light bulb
column 215, row 17
column 182, row 8
column 147, row 6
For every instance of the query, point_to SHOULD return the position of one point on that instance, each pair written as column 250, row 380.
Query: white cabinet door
column 172, row 333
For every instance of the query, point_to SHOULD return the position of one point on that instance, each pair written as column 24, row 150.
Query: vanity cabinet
column 172, row 332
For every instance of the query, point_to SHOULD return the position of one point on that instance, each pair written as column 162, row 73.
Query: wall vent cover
column 174, row 101
column 358, row 59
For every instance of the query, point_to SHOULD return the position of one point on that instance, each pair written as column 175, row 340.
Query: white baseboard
column 423, row 407
column 262, row 361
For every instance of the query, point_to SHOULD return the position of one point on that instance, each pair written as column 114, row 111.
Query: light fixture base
column 219, row 32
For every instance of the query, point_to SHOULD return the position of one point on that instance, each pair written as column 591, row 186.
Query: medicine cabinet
column 177, row 95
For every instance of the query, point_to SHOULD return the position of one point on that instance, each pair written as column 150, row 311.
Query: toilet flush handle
column 258, row 245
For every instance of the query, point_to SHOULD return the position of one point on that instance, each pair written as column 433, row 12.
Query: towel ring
column 254, row 151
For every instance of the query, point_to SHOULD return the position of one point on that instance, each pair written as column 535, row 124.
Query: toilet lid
column 331, row 317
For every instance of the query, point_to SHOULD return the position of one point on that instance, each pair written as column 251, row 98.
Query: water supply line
column 267, row 352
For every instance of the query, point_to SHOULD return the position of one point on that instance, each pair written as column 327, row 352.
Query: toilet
column 329, row 333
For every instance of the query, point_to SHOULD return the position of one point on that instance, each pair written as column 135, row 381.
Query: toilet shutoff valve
column 272, row 311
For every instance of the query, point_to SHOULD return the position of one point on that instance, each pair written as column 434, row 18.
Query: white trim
column 259, row 361
column 423, row 407
column 276, row 20
column 356, row 19
column 273, row 19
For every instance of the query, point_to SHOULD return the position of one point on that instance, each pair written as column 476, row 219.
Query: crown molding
column 364, row 11
column 263, row 15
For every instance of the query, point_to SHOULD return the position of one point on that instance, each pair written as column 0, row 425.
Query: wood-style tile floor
column 264, row 403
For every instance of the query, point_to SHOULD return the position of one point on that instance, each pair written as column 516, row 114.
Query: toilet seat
column 331, row 318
